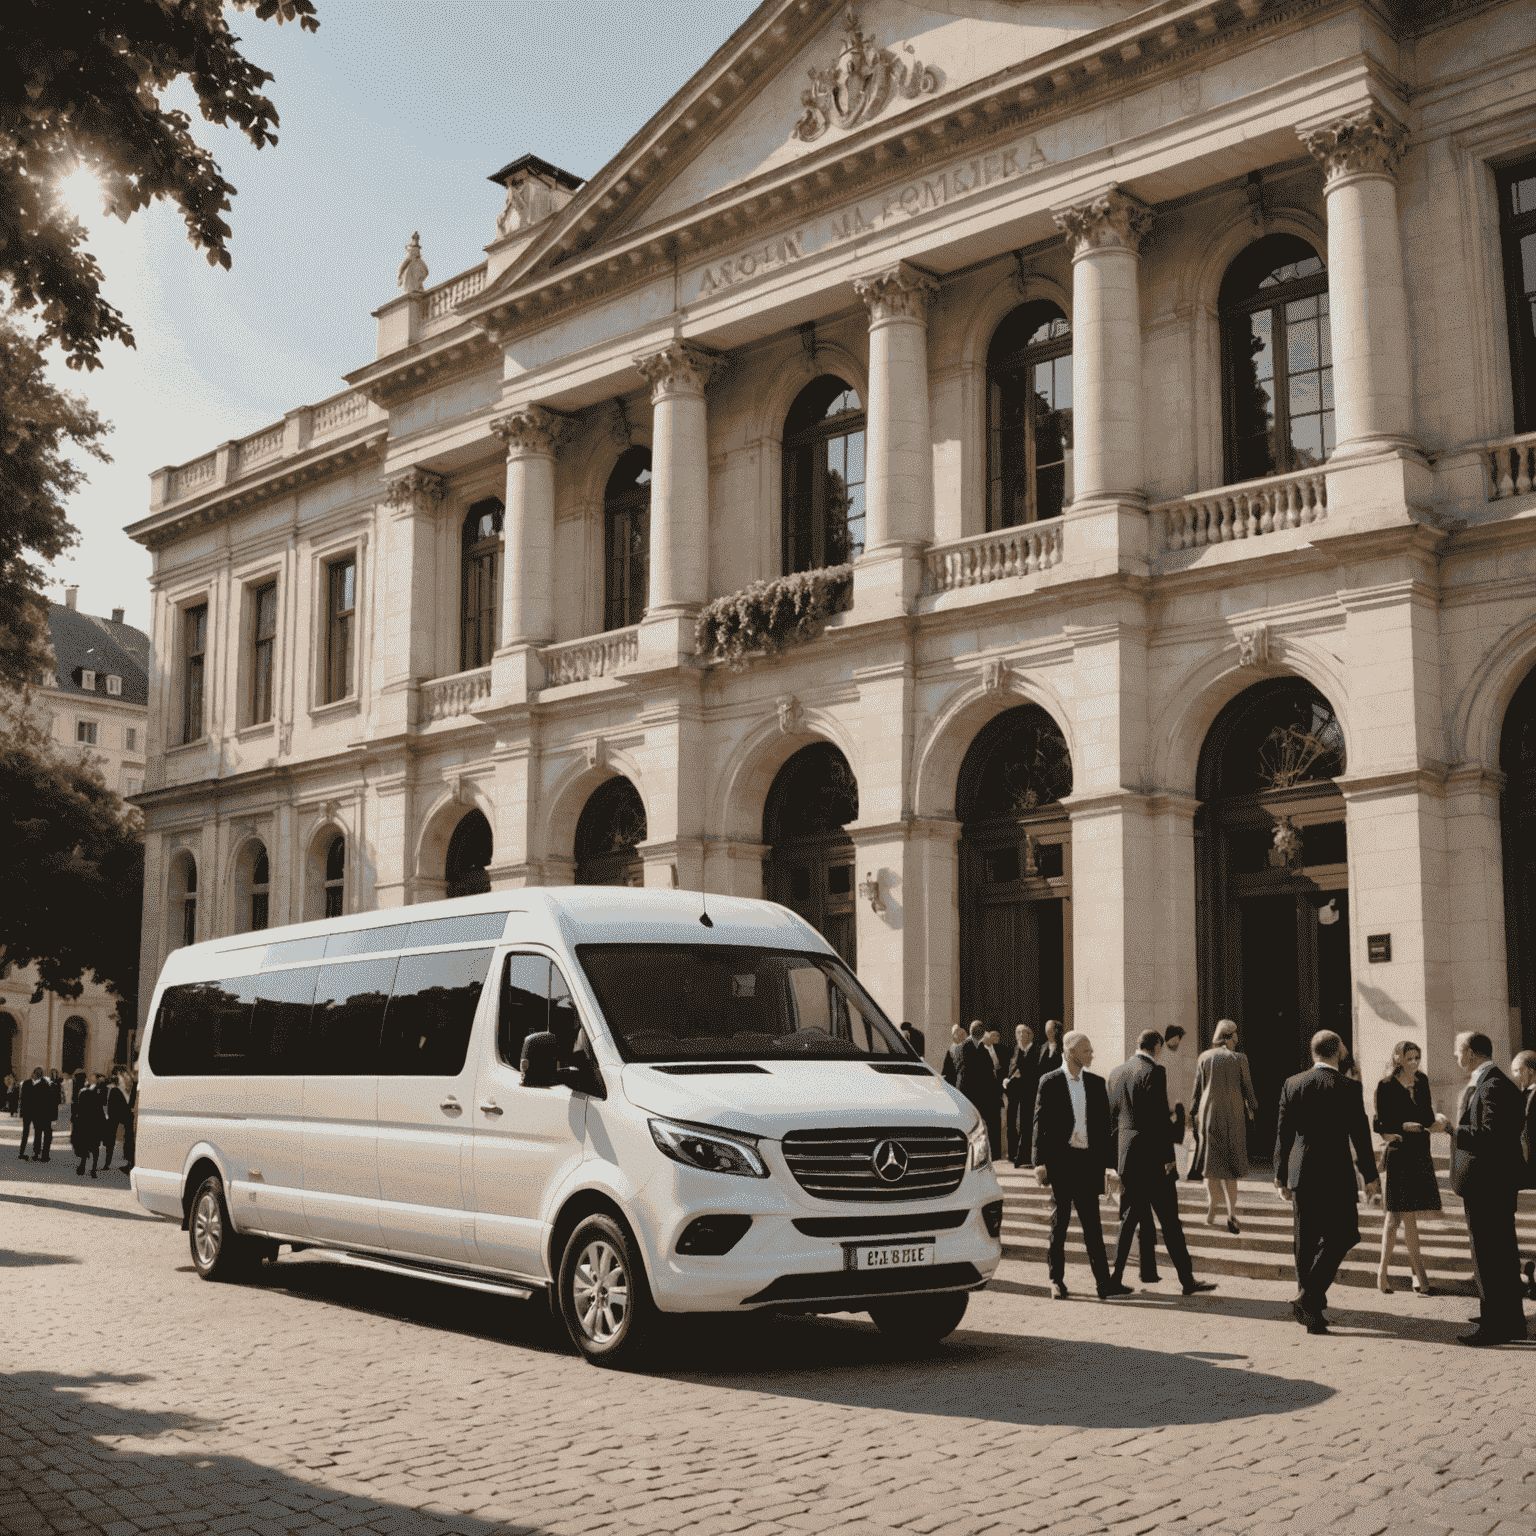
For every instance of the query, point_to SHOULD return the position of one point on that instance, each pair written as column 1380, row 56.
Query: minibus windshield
column 715, row 1002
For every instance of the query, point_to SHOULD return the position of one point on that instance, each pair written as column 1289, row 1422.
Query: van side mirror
column 541, row 1060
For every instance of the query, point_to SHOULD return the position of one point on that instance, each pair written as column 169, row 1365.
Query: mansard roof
column 87, row 642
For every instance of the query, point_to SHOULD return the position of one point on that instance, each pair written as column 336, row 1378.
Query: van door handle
column 452, row 1105
column 491, row 1107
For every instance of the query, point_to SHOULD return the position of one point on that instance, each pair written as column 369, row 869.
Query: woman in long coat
column 87, row 1127
column 1223, row 1105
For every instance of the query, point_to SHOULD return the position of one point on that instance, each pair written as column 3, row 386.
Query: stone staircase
column 1262, row 1251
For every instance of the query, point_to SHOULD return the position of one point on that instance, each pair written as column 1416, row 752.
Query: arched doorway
column 1015, row 873
column 810, row 869
column 75, row 1034
column 610, row 828
column 10, row 1034
column 1517, row 814
column 467, row 866
column 1271, row 884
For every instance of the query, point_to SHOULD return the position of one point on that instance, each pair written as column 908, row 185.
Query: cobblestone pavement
column 327, row 1398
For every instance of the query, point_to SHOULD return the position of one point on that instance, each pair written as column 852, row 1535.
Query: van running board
column 449, row 1276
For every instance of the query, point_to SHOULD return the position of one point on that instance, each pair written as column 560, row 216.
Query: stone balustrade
column 343, row 411
column 447, row 296
column 578, row 661
column 1511, row 466
column 193, row 477
column 1245, row 511
column 985, row 557
column 264, row 445
column 445, row 698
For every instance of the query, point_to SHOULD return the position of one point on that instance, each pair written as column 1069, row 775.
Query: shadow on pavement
column 173, row 1484
column 9, row 1259
column 80, row 1208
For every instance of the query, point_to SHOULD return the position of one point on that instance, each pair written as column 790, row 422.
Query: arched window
column 823, row 476
column 261, row 888
column 1029, row 416
column 181, row 922
column 810, row 865
column 481, row 601
column 469, row 856
column 335, row 876
column 627, row 538
column 1277, row 365
column 611, row 826
column 75, row 1033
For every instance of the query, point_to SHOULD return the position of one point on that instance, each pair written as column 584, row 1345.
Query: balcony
column 1252, row 509
column 579, row 661
column 1510, row 465
column 986, row 557
column 446, row 698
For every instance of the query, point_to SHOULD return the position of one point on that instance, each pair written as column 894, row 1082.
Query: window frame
column 477, row 558
column 812, row 439
column 629, row 505
column 130, row 738
column 1023, row 360
column 261, row 893
column 194, row 671
column 1518, row 307
column 262, row 693
column 114, row 685
column 85, row 733
column 340, row 656
column 1275, row 300
column 333, row 888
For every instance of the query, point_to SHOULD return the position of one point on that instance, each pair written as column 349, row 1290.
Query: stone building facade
column 1145, row 398
column 95, row 701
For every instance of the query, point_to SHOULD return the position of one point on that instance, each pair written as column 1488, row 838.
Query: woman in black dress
column 1404, row 1119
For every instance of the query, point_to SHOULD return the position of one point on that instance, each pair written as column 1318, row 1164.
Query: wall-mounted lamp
column 1330, row 914
column 869, row 890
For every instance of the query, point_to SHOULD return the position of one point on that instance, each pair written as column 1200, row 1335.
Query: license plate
column 908, row 1255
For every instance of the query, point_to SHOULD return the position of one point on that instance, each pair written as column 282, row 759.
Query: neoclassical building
column 1134, row 405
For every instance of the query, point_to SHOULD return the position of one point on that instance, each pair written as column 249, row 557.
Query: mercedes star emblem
column 889, row 1160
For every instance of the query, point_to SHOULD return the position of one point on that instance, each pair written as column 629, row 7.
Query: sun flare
column 81, row 193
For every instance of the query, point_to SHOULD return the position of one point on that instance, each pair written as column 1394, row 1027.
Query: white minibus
column 643, row 1103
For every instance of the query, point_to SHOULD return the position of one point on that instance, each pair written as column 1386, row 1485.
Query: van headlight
column 981, row 1148
column 699, row 1146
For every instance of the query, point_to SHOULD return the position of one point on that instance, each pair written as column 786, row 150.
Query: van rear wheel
column 603, row 1294
column 921, row 1320
column 218, row 1251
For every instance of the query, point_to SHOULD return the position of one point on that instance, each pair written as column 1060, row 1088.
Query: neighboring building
column 96, row 698
column 1168, row 376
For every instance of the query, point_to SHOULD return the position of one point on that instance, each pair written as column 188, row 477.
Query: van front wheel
column 218, row 1251
column 922, row 1319
column 603, row 1294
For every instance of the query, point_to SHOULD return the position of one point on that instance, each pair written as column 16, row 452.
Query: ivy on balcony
column 768, row 616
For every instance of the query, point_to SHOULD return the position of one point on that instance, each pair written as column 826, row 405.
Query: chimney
column 70, row 596
column 117, row 615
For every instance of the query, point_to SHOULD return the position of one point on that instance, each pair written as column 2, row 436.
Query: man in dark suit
column 1322, row 1121
column 914, row 1037
column 1486, row 1171
column 1020, row 1085
column 31, row 1114
column 1074, row 1145
column 952, row 1055
column 1138, row 1099
column 1050, row 1052
column 981, row 1082
column 1523, row 1070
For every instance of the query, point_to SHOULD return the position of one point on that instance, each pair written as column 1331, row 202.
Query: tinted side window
column 280, row 1022
column 226, row 1015
column 563, row 1018
column 347, row 1025
column 181, row 1045
column 524, row 1004
column 431, row 1013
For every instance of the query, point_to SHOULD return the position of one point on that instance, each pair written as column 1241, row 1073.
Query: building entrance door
column 609, row 831
column 810, row 869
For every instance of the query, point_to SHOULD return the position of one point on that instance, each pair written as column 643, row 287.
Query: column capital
column 531, row 429
column 416, row 490
column 897, row 292
column 1364, row 143
column 679, row 368
column 1107, row 220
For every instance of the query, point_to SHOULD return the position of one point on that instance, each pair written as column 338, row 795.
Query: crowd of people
column 97, row 1109
column 1044, row 1109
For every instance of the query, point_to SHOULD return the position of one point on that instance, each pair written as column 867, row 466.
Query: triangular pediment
column 748, row 113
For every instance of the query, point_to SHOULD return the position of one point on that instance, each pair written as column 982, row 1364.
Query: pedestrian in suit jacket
column 1487, row 1169
column 1523, row 1070
column 30, row 1104
column 1138, row 1099
column 957, row 1038
column 1322, row 1122
column 914, row 1037
column 1051, row 1058
column 1020, row 1085
column 1074, row 1146
column 980, row 1083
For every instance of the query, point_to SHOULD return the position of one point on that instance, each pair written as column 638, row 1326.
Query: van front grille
column 875, row 1164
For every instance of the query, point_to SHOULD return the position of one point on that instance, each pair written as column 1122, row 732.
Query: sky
column 393, row 115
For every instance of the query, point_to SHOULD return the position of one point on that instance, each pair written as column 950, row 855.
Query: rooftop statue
column 412, row 276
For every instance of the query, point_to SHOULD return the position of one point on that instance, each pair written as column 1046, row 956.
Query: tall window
column 131, row 739
column 627, row 538
column 341, row 609
column 85, row 732
column 1277, row 364
column 481, row 600
column 194, row 647
column 261, row 889
column 263, row 639
column 189, row 904
column 1029, row 416
column 823, row 476
column 335, row 875
column 1517, row 221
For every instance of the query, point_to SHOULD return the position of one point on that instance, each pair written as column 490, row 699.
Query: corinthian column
column 679, row 578
column 1367, row 299
column 1104, row 233
column 531, row 434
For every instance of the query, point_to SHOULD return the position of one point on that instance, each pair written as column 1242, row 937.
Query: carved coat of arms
column 860, row 83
